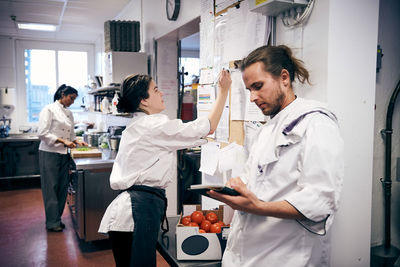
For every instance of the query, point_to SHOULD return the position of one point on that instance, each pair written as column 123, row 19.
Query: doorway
column 189, row 73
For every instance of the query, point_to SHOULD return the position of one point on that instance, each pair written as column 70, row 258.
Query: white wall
column 7, row 62
column 353, row 28
column 386, row 80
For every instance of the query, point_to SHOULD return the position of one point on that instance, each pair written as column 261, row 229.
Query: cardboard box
column 192, row 245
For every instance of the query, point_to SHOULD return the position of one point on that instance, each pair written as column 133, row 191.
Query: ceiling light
column 36, row 26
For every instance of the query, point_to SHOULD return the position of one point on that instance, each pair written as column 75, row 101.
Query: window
column 46, row 70
column 42, row 67
column 192, row 67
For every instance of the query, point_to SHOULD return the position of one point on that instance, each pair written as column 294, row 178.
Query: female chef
column 143, row 166
column 56, row 133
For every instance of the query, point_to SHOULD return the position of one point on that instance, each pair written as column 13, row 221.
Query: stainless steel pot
column 91, row 138
column 114, row 142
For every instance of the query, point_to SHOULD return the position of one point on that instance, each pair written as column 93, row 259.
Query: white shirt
column 55, row 121
column 304, row 167
column 145, row 157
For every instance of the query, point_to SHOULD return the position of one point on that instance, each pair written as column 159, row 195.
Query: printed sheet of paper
column 205, row 97
column 209, row 158
column 231, row 160
column 206, row 76
column 222, row 132
column 238, row 96
column 207, row 41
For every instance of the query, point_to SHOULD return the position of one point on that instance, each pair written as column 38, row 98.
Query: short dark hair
column 64, row 90
column 275, row 59
column 133, row 89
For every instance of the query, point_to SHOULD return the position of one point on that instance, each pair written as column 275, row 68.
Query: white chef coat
column 55, row 121
column 305, row 167
column 145, row 157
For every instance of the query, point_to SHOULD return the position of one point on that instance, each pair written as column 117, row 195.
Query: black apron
column 149, row 205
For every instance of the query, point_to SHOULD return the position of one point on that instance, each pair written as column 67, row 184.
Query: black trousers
column 121, row 244
column 54, row 179
column 138, row 249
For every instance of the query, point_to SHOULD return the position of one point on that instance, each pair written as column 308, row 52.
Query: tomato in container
column 212, row 217
column 215, row 228
column 205, row 225
column 193, row 224
column 197, row 217
column 186, row 220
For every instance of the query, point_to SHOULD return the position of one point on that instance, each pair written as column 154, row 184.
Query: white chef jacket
column 146, row 157
column 55, row 121
column 303, row 166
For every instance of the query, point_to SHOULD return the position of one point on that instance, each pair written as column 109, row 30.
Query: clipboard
column 203, row 189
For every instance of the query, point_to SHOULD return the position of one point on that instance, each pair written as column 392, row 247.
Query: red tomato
column 205, row 225
column 193, row 224
column 186, row 220
column 197, row 217
column 215, row 228
column 221, row 223
column 201, row 231
column 212, row 217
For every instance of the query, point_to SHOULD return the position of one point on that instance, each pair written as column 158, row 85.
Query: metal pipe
column 387, row 181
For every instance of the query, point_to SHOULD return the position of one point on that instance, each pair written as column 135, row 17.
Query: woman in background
column 56, row 133
column 144, row 164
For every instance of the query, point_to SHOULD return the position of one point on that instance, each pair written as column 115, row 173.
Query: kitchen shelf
column 104, row 90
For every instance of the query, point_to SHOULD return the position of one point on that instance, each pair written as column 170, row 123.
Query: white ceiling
column 79, row 20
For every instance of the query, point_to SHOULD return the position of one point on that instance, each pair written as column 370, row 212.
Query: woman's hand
column 69, row 144
column 247, row 201
column 81, row 143
column 224, row 81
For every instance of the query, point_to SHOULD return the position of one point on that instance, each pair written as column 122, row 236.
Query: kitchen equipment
column 5, row 125
column 104, row 141
column 7, row 101
column 116, row 130
column 114, row 142
column 118, row 65
column 92, row 138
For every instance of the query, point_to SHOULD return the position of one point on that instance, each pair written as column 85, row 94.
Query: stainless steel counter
column 19, row 156
column 106, row 161
column 90, row 193
column 20, row 138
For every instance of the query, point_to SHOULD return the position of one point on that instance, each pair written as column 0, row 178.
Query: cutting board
column 91, row 153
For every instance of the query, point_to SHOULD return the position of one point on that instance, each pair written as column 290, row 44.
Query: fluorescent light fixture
column 36, row 26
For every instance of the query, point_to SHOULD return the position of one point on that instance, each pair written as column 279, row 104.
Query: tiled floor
column 24, row 240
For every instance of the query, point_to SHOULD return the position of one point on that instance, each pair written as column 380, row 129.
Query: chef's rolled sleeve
column 322, row 171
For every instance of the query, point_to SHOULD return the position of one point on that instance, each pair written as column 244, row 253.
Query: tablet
column 202, row 189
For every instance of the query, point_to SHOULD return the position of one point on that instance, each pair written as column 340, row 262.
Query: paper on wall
column 238, row 96
column 232, row 159
column 205, row 97
column 206, row 76
column 207, row 41
column 209, row 158
column 222, row 131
